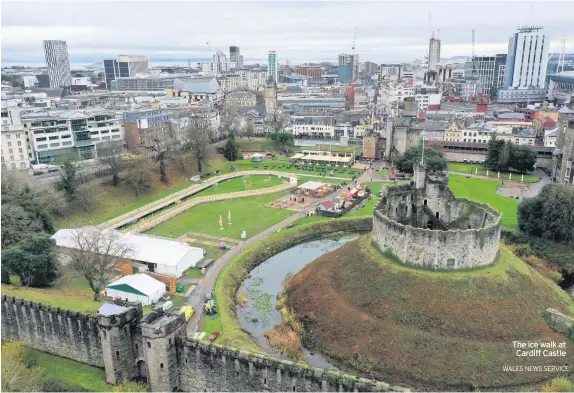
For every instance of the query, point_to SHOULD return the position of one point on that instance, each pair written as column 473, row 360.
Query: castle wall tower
column 419, row 174
column 118, row 334
column 159, row 340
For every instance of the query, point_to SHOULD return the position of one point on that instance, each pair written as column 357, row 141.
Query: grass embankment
column 476, row 169
column 70, row 292
column 70, row 373
column 230, row 279
column 413, row 327
column 110, row 201
column 249, row 214
column 484, row 191
column 114, row 201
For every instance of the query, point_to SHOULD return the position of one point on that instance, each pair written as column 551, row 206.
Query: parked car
column 212, row 338
column 210, row 307
column 195, row 178
column 208, row 295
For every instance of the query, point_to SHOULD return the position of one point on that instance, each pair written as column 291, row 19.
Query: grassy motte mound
column 424, row 329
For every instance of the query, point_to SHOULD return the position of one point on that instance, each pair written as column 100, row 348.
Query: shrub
column 240, row 299
column 561, row 384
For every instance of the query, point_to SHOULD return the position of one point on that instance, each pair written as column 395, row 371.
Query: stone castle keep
column 423, row 224
column 155, row 347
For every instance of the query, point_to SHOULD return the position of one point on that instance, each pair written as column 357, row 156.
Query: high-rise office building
column 434, row 53
column 350, row 60
column 234, row 55
column 527, row 59
column 124, row 67
column 56, row 54
column 272, row 66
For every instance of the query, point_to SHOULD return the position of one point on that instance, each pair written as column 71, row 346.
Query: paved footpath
column 208, row 282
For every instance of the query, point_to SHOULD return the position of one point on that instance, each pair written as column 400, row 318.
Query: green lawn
column 249, row 214
column 284, row 165
column 65, row 298
column 484, row 191
column 69, row 372
column 241, row 184
column 481, row 170
column 193, row 273
column 255, row 145
column 210, row 324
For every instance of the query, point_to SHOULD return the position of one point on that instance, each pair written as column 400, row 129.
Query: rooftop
column 312, row 185
column 143, row 248
column 141, row 282
column 207, row 85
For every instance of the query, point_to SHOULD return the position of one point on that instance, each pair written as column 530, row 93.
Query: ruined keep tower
column 423, row 224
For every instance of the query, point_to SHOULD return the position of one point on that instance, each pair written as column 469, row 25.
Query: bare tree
column 94, row 253
column 182, row 159
column 161, row 151
column 84, row 199
column 199, row 135
column 277, row 120
column 137, row 176
column 110, row 154
column 248, row 130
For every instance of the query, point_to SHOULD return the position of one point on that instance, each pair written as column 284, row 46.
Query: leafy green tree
column 68, row 179
column 33, row 260
column 523, row 158
column 18, row 371
column 550, row 214
column 282, row 141
column 434, row 159
column 504, row 157
column 231, row 153
column 26, row 208
column 495, row 147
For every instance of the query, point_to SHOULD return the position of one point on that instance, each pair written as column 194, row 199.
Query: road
column 196, row 299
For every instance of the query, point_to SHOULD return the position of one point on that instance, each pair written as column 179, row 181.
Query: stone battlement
column 155, row 347
column 65, row 333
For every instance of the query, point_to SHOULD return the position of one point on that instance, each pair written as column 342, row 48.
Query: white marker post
column 487, row 173
column 509, row 176
column 522, row 178
column 498, row 175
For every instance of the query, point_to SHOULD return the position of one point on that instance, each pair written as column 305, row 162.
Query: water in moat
column 259, row 313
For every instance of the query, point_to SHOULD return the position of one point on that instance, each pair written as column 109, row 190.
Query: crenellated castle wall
column 64, row 333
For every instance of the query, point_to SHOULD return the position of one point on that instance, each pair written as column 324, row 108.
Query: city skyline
column 387, row 31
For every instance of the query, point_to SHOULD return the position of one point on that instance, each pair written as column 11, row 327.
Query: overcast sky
column 168, row 31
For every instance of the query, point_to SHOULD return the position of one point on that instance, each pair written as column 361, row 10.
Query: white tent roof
column 140, row 282
column 143, row 248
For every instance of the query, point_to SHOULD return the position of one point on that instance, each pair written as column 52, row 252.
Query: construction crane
column 353, row 58
column 473, row 55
